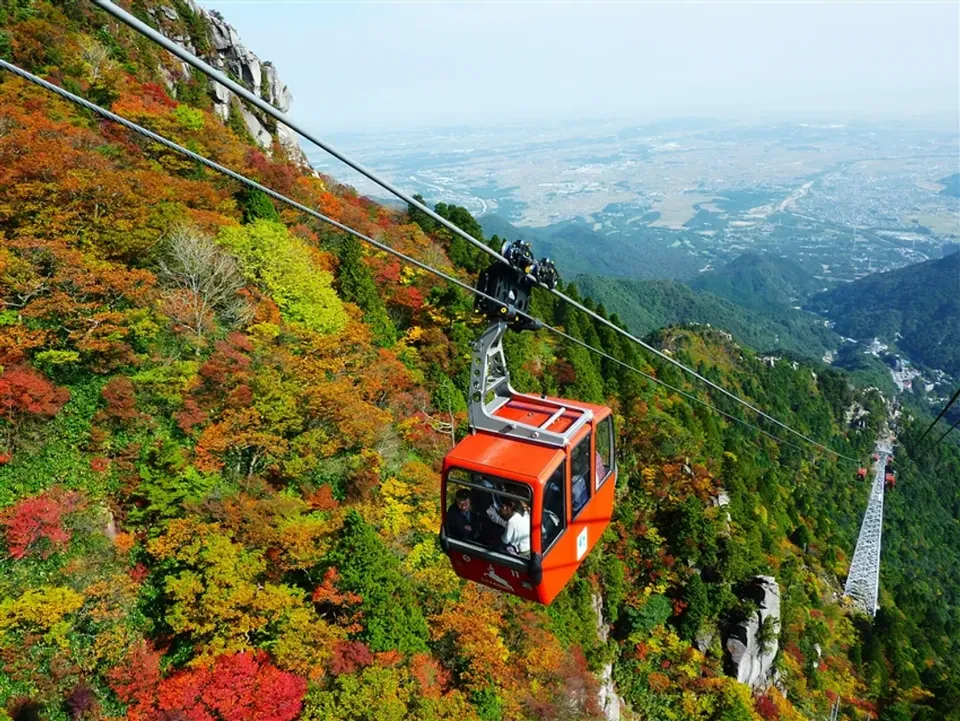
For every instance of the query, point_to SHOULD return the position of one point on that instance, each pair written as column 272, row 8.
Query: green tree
column 698, row 607
column 355, row 284
column 390, row 611
column 256, row 205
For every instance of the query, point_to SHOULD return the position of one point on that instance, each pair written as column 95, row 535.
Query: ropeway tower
column 863, row 583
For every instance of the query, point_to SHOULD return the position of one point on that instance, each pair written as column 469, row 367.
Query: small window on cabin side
column 604, row 460
column 489, row 512
column 580, row 475
column 554, row 508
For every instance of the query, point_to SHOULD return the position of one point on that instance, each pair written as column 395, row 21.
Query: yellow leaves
column 408, row 274
column 413, row 335
column 649, row 473
column 431, row 570
column 305, row 540
column 264, row 332
column 305, row 642
column 43, row 607
column 222, row 597
column 183, row 539
column 395, row 510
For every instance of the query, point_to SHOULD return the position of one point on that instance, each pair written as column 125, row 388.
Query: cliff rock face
column 229, row 55
column 609, row 700
column 749, row 659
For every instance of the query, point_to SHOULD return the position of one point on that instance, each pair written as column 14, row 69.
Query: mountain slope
column 916, row 307
column 645, row 305
column 220, row 499
column 759, row 282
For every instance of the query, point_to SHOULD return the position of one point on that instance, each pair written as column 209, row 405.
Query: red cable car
column 890, row 475
column 861, row 473
column 528, row 493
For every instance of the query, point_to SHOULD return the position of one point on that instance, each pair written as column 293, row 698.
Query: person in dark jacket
column 462, row 522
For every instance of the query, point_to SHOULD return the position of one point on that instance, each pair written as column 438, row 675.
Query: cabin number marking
column 581, row 544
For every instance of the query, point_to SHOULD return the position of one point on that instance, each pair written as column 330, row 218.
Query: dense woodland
column 646, row 305
column 221, row 424
column 903, row 307
column 760, row 282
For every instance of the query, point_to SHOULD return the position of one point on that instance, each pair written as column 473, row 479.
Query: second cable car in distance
column 528, row 493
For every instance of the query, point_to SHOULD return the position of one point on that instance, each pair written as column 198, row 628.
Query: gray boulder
column 231, row 56
column 608, row 698
column 748, row 660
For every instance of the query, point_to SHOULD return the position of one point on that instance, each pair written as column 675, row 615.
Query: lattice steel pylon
column 863, row 583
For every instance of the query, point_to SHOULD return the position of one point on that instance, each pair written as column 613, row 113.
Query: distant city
column 843, row 200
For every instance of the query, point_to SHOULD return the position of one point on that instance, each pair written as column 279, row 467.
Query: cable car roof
column 505, row 457
column 545, row 413
column 510, row 457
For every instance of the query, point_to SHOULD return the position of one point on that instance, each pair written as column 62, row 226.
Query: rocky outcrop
column 228, row 54
column 608, row 698
column 752, row 645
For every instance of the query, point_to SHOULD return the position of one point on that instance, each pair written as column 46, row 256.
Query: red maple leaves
column 239, row 687
column 37, row 523
column 23, row 391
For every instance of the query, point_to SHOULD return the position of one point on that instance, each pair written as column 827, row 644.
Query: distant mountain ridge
column 916, row 307
column 645, row 305
column 576, row 249
column 759, row 281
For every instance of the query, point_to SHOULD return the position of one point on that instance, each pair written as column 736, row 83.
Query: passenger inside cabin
column 462, row 523
column 516, row 535
column 486, row 505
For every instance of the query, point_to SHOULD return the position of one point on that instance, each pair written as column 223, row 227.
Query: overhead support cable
column 942, row 436
column 935, row 421
column 219, row 77
column 945, row 434
column 360, row 236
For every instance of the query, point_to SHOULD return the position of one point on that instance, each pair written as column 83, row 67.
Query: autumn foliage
column 240, row 687
column 221, row 429
column 36, row 525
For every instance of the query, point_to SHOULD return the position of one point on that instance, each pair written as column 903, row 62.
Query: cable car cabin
column 861, row 473
column 530, row 491
column 535, row 510
column 890, row 479
column 876, row 456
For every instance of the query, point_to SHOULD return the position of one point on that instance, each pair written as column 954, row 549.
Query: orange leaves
column 92, row 302
column 337, row 605
column 136, row 679
column 432, row 678
column 475, row 626
column 56, row 185
column 25, row 392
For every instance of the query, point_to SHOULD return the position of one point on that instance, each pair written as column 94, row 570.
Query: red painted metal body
column 532, row 464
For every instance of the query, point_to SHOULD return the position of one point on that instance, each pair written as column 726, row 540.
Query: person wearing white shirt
column 516, row 536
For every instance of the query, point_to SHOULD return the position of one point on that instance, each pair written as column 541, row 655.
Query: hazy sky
column 373, row 66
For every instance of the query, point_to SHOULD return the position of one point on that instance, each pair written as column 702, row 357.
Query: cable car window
column 554, row 508
column 604, row 459
column 580, row 474
column 489, row 512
